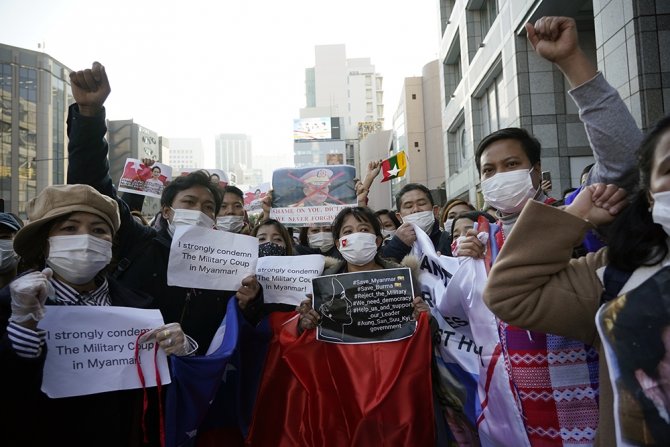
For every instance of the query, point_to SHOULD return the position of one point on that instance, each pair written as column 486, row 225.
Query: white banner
column 287, row 279
column 500, row 423
column 307, row 215
column 210, row 259
column 91, row 349
column 435, row 273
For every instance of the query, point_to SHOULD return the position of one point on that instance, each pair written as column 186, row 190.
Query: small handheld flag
column 394, row 167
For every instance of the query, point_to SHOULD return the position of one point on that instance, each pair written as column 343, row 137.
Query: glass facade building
column 34, row 96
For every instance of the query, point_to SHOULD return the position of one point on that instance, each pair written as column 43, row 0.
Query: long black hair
column 635, row 239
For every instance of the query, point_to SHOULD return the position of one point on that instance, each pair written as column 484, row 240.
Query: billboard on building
column 324, row 128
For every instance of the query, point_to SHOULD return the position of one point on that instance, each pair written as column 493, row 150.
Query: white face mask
column 509, row 191
column 77, row 259
column 447, row 225
column 387, row 233
column 231, row 224
column 660, row 212
column 7, row 256
column 321, row 240
column 182, row 216
column 423, row 219
column 358, row 248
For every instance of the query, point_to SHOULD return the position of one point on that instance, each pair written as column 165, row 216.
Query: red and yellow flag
column 394, row 167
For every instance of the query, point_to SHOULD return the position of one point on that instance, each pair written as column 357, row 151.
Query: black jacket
column 143, row 252
column 32, row 418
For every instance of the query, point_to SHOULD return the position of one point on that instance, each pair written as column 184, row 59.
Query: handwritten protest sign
column 365, row 307
column 210, row 259
column 312, row 196
column 138, row 178
column 287, row 279
column 91, row 349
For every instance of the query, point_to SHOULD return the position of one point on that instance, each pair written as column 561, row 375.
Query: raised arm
column 612, row 131
column 87, row 147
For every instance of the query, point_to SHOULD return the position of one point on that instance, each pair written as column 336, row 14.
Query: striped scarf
column 556, row 380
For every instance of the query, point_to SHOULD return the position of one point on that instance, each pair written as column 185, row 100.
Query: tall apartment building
column 417, row 130
column 128, row 139
column 186, row 153
column 348, row 89
column 232, row 149
column 34, row 97
column 493, row 79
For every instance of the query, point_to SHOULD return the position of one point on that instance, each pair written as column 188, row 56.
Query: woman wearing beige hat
column 69, row 244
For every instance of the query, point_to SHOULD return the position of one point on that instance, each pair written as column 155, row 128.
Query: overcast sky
column 198, row 68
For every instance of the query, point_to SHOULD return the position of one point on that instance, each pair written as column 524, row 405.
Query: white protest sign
column 287, row 279
column 91, row 349
column 210, row 259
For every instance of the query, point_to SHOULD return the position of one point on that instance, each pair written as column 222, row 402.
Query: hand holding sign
column 170, row 338
column 309, row 318
column 29, row 293
column 248, row 291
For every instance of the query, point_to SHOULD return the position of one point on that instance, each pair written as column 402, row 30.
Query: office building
column 417, row 130
column 186, row 153
column 349, row 90
column 34, row 97
column 492, row 78
column 231, row 150
column 128, row 139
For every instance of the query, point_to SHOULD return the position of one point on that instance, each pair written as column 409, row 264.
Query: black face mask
column 271, row 249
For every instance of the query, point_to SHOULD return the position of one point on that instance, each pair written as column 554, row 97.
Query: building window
column 488, row 100
column 487, row 14
column 413, row 95
column 416, row 144
column 453, row 72
column 446, row 7
column 480, row 17
column 462, row 146
column 457, row 144
column 368, row 107
column 490, row 107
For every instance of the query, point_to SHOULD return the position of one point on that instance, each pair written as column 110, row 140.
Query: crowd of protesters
column 577, row 292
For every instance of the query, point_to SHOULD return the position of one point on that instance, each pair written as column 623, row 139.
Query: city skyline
column 224, row 68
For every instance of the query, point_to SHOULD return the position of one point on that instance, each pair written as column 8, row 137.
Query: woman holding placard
column 361, row 230
column 350, row 394
column 69, row 244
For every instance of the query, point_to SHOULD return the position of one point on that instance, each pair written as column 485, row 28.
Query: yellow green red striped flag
column 394, row 167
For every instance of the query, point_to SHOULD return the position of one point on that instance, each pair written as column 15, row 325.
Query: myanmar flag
column 394, row 167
